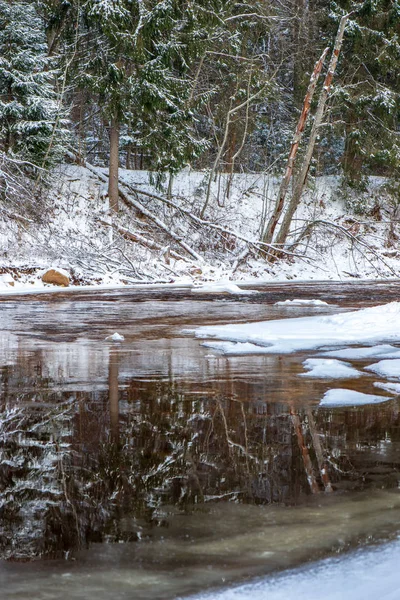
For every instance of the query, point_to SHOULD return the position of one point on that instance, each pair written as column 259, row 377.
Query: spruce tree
column 367, row 99
column 30, row 124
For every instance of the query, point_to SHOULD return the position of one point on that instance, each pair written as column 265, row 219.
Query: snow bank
column 343, row 397
column 329, row 368
column 283, row 336
column 371, row 574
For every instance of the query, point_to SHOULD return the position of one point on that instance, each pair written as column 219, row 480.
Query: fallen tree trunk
column 140, row 239
column 124, row 195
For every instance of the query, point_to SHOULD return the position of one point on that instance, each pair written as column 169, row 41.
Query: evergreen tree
column 29, row 111
column 140, row 70
column 367, row 98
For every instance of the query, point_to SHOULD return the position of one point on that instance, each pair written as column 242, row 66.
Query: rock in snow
column 56, row 277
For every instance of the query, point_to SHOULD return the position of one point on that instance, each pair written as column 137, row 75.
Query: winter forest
column 194, row 141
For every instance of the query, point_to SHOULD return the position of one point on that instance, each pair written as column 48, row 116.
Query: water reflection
column 184, row 458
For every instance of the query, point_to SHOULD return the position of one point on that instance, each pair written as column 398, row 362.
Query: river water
column 154, row 469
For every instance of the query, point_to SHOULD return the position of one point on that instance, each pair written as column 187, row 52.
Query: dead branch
column 356, row 240
column 138, row 206
column 139, row 239
column 209, row 224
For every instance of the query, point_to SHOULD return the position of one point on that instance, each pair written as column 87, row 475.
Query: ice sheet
column 301, row 302
column 386, row 368
column 342, row 397
column 329, row 368
column 283, row 336
column 382, row 350
column 222, row 287
column 392, row 388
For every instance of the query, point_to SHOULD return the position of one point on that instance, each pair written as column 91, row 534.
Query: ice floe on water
column 392, row 388
column 115, row 337
column 284, row 336
column 301, row 302
column 381, row 351
column 222, row 287
column 237, row 348
column 386, row 368
column 371, row 574
column 348, row 331
column 342, row 397
column 329, row 368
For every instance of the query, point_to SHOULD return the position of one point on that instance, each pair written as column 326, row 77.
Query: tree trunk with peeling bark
column 273, row 221
column 302, row 179
column 113, row 192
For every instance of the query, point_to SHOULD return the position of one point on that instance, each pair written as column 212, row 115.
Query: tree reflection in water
column 107, row 465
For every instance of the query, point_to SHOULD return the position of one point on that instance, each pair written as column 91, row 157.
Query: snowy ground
column 362, row 575
column 74, row 233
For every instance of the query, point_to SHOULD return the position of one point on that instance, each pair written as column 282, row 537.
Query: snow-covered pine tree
column 368, row 93
column 30, row 125
column 140, row 68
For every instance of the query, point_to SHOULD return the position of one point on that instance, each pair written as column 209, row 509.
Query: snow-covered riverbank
column 75, row 231
column 371, row 574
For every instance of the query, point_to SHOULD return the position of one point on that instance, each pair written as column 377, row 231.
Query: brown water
column 150, row 469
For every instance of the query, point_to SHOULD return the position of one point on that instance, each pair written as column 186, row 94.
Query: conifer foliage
column 30, row 126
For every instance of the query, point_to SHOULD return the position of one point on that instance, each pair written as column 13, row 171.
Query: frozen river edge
column 364, row 574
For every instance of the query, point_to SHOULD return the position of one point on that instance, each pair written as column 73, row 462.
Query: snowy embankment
column 158, row 239
column 371, row 574
column 370, row 327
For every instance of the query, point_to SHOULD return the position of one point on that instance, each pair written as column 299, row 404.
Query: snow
column 382, row 350
column 392, row 388
column 342, row 397
column 74, row 236
column 284, row 336
column 371, row 574
column 58, row 269
column 115, row 337
column 386, row 368
column 299, row 302
column 329, row 369
column 223, row 287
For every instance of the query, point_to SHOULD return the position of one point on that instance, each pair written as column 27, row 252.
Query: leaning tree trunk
column 113, row 192
column 302, row 179
column 273, row 221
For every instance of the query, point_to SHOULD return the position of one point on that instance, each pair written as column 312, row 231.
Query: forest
column 286, row 103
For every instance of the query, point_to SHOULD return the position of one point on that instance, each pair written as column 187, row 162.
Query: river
column 155, row 469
